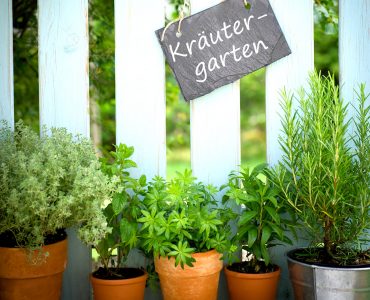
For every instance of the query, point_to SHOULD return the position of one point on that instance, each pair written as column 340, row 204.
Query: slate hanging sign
column 222, row 44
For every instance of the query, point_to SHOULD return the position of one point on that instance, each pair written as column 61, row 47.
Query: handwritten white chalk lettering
column 203, row 39
column 222, row 44
column 201, row 70
column 224, row 33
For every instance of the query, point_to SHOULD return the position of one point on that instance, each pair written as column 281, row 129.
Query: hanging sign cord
column 182, row 14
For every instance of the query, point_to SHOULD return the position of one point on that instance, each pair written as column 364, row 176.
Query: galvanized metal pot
column 312, row 282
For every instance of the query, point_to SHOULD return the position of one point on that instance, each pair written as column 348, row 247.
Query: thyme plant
column 325, row 169
column 49, row 183
column 182, row 217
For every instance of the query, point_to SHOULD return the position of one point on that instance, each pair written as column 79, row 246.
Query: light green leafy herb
column 182, row 217
column 48, row 183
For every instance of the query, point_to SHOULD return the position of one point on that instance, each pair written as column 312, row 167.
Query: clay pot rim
column 252, row 276
column 195, row 255
column 114, row 282
column 16, row 249
column 55, row 262
column 206, row 253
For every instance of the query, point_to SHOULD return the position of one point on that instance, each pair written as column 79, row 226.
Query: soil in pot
column 245, row 267
column 119, row 273
column 22, row 279
column 245, row 283
column 319, row 257
column 119, row 284
column 7, row 239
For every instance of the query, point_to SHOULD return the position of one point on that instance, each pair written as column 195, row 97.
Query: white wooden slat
column 215, row 133
column 296, row 20
column 215, row 127
column 64, row 102
column 64, row 64
column 140, row 83
column 291, row 72
column 6, row 63
column 354, row 49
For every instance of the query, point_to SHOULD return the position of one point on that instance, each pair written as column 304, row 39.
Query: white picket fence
column 140, row 117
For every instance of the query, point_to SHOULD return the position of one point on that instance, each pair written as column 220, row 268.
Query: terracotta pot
column 196, row 283
column 252, row 286
column 121, row 289
column 19, row 279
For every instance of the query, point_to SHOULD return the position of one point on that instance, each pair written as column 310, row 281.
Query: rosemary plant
column 324, row 173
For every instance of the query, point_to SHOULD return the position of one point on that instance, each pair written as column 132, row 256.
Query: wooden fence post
column 215, row 133
column 354, row 49
column 64, row 102
column 291, row 72
column 6, row 63
column 215, row 127
column 141, row 90
column 140, row 83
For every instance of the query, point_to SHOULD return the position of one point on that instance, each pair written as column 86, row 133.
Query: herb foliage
column 325, row 169
column 182, row 217
column 122, row 212
column 262, row 222
column 49, row 183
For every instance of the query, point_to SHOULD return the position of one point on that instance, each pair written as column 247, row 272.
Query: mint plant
column 182, row 217
column 324, row 173
column 263, row 218
column 49, row 183
column 122, row 212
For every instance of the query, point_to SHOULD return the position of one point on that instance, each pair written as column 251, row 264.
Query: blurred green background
column 102, row 88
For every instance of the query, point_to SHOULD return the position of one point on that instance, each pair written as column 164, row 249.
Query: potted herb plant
column 324, row 175
column 47, row 184
column 260, row 226
column 113, row 280
column 186, row 231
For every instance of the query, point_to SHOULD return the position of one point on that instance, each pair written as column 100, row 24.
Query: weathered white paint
column 296, row 21
column 140, row 83
column 215, row 133
column 64, row 64
column 215, row 127
column 64, row 102
column 354, row 49
column 6, row 63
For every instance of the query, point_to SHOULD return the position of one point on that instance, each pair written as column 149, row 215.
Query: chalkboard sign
column 222, row 44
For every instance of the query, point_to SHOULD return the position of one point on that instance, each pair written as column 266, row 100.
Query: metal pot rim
column 365, row 267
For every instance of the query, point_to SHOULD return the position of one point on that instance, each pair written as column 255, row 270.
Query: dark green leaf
column 246, row 217
column 252, row 236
